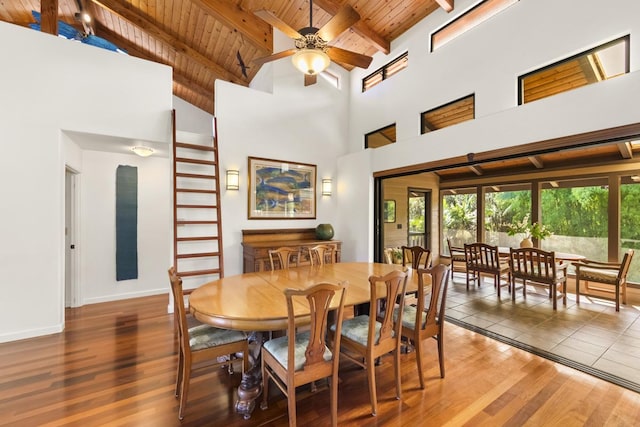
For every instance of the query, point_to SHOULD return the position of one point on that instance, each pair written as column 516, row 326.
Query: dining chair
column 414, row 254
column 300, row 358
column 483, row 259
column 611, row 278
column 201, row 343
column 284, row 257
column 456, row 255
column 367, row 337
column 540, row 267
column 322, row 254
column 424, row 321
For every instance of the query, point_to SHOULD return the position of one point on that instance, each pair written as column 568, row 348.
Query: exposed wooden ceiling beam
column 254, row 30
column 447, row 5
column 127, row 12
column 476, row 169
column 360, row 28
column 626, row 151
column 134, row 50
column 536, row 161
column 49, row 17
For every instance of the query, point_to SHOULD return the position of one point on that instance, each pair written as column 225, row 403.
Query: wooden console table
column 257, row 243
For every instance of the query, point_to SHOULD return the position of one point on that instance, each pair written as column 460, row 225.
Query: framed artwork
column 280, row 189
column 389, row 211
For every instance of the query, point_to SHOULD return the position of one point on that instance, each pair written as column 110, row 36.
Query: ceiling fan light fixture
column 311, row 61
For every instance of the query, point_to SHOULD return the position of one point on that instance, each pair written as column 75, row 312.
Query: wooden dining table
column 255, row 302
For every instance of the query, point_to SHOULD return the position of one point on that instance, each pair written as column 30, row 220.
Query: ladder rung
column 197, row 206
column 195, row 146
column 198, row 272
column 198, row 255
column 195, row 175
column 196, row 161
column 195, row 222
column 195, row 239
column 192, row 190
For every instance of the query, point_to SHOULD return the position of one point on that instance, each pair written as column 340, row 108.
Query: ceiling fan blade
column 348, row 57
column 310, row 80
column 275, row 56
column 346, row 17
column 276, row 22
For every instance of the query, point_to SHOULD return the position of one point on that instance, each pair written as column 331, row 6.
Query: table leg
column 251, row 385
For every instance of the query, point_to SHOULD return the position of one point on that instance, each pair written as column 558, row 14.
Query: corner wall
column 49, row 85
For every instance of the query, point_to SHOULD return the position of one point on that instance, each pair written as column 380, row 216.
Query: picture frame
column 389, row 211
column 280, row 189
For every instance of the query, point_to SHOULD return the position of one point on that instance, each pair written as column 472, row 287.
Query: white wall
column 294, row 123
column 487, row 61
column 48, row 86
column 98, row 243
column 192, row 119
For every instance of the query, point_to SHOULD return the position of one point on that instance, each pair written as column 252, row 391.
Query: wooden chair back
column 322, row 254
column 320, row 300
column 457, row 256
column 538, row 266
column 283, row 258
column 482, row 258
column 413, row 255
column 179, row 308
column 437, row 298
column 384, row 291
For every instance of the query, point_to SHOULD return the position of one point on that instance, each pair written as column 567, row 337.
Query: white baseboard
column 31, row 333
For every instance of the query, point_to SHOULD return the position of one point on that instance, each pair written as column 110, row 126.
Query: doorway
column 404, row 214
column 419, row 225
column 71, row 264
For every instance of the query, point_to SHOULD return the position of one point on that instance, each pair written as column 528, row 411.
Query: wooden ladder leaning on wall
column 197, row 224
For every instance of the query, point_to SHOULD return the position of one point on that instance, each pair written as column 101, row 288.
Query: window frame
column 626, row 39
column 383, row 71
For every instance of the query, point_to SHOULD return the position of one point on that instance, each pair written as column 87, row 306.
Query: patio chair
column 541, row 267
column 456, row 255
column 483, row 259
column 611, row 279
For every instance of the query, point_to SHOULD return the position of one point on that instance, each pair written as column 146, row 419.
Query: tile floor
column 591, row 337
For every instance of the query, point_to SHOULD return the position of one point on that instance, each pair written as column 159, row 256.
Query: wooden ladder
column 197, row 225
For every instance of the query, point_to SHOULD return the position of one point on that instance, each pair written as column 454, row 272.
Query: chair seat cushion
column 205, row 336
column 278, row 347
column 598, row 275
column 357, row 329
column 409, row 314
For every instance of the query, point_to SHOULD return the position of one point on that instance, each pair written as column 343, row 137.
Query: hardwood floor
column 115, row 365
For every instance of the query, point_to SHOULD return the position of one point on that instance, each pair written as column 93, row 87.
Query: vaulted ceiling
column 205, row 40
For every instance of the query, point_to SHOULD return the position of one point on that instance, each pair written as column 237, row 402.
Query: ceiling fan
column 312, row 53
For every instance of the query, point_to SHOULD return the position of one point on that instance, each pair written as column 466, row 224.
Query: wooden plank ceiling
column 203, row 39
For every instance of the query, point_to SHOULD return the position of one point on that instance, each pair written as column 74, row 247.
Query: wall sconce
column 326, row 187
column 233, row 179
